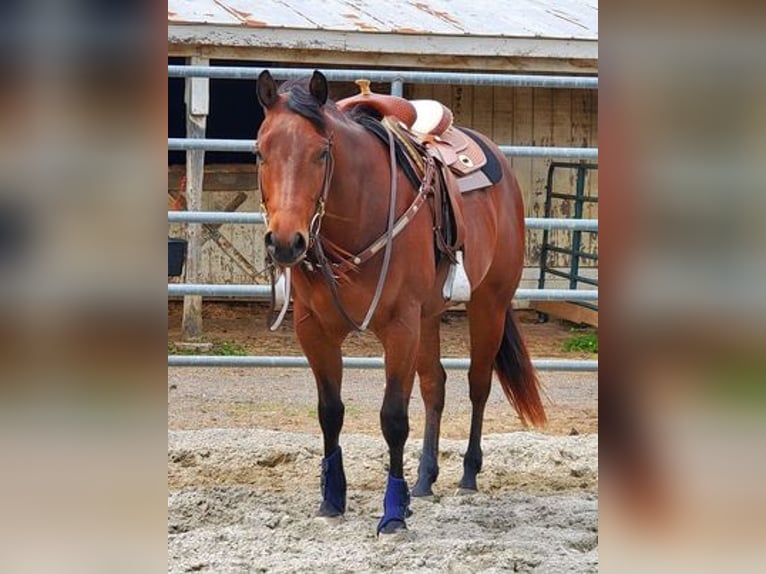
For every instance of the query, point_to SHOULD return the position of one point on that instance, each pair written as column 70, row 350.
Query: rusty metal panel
column 525, row 18
column 268, row 13
column 199, row 12
column 520, row 18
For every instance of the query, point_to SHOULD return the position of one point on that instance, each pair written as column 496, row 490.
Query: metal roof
column 561, row 19
column 532, row 35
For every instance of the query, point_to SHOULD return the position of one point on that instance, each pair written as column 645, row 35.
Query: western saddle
column 425, row 131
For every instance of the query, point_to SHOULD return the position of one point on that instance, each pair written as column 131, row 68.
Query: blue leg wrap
column 395, row 505
column 333, row 485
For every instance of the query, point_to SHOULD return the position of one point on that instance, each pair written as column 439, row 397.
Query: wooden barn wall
column 233, row 253
column 531, row 116
column 512, row 116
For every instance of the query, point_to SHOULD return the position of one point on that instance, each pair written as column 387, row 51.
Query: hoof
column 331, row 520
column 394, row 531
column 462, row 491
column 329, row 510
column 422, row 491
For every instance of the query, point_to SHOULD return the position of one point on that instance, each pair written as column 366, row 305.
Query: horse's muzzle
column 288, row 253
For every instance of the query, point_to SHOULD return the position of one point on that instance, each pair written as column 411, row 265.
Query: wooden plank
column 191, row 326
column 366, row 59
column 522, row 135
column 483, row 109
column 542, row 135
column 592, row 112
column 567, row 311
column 502, row 122
column 442, row 93
column 419, row 91
column 197, row 94
column 220, row 177
column 584, row 124
column 563, row 179
column 462, row 105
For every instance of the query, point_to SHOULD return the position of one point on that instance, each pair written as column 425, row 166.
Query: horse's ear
column 267, row 89
column 318, row 87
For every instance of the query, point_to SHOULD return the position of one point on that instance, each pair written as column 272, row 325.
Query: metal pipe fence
column 263, row 292
column 248, row 146
column 391, row 76
column 210, row 217
column 355, row 362
column 397, row 80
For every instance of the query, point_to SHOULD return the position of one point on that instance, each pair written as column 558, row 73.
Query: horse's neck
column 357, row 201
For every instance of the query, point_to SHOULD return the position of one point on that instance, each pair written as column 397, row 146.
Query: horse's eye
column 324, row 154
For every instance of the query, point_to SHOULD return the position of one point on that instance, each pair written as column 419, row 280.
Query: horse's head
column 295, row 163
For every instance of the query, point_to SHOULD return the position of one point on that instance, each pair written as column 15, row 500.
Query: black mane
column 303, row 103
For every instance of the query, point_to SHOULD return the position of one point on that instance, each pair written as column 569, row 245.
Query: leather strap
column 386, row 240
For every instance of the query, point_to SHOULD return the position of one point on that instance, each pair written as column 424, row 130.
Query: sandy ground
column 244, row 453
column 244, row 501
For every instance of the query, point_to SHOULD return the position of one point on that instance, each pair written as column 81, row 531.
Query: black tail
column 517, row 375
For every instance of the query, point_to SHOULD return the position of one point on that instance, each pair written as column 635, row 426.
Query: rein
column 388, row 238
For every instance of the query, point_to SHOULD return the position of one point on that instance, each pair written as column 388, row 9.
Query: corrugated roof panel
column 577, row 19
column 199, row 12
column 525, row 18
column 376, row 16
column 268, row 13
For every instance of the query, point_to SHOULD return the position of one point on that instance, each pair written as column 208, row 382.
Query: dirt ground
column 244, row 451
column 245, row 323
column 233, row 398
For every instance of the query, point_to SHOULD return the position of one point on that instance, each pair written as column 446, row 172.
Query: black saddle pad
column 374, row 126
column 492, row 168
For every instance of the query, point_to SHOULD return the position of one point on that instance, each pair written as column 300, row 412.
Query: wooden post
column 196, row 99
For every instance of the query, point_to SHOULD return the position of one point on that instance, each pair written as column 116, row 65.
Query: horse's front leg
column 400, row 341
column 323, row 351
column 432, row 380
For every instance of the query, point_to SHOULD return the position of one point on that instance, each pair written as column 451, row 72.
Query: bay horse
column 330, row 185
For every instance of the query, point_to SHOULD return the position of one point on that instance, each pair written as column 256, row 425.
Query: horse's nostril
column 299, row 243
column 268, row 239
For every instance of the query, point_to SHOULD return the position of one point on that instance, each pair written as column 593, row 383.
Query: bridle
column 394, row 227
column 316, row 221
column 319, row 209
column 314, row 228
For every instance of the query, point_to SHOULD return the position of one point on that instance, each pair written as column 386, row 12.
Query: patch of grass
column 227, row 348
column 582, row 343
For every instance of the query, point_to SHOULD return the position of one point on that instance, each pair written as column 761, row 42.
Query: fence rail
column 454, row 78
column 355, row 362
column 248, row 146
column 254, row 218
column 264, row 292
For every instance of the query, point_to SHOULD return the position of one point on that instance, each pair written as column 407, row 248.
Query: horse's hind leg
column 324, row 355
column 400, row 341
column 432, row 379
column 486, row 319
